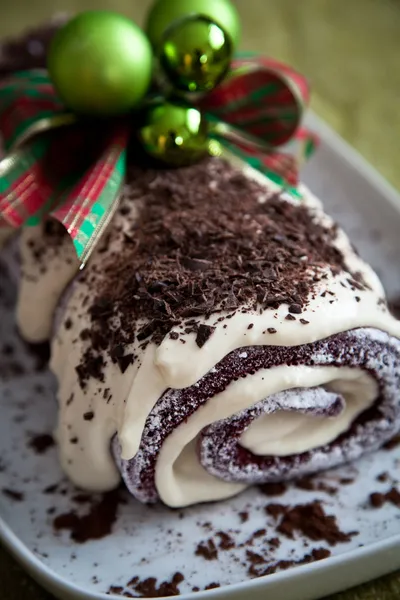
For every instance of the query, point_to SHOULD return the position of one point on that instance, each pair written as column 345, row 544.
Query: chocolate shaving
column 204, row 333
column 194, row 254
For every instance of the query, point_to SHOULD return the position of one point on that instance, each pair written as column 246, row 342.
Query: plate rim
column 54, row 582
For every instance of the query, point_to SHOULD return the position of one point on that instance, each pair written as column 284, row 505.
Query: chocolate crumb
column 310, row 520
column 243, row 516
column 290, row 317
column 207, row 549
column 393, row 443
column 313, row 485
column 226, row 541
column 259, row 533
column 393, row 496
column 50, row 489
column 282, row 565
column 212, row 586
column 271, row 330
column 13, row 494
column 174, row 335
column 96, row 523
column 377, row 500
column 304, row 321
column 41, row 442
column 88, row 416
column 272, row 489
column 115, row 589
column 346, row 480
column 148, row 588
column 254, row 558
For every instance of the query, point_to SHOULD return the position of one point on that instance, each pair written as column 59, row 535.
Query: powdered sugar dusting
column 220, row 452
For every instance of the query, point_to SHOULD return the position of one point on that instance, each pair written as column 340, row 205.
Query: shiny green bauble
column 195, row 54
column 173, row 133
column 100, row 63
column 165, row 12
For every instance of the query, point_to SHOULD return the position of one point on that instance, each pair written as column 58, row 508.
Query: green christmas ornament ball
column 173, row 133
column 100, row 63
column 165, row 12
column 195, row 54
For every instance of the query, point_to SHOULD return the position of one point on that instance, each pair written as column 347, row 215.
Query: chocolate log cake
column 221, row 335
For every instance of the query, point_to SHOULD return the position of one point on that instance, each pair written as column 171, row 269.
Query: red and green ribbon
column 73, row 169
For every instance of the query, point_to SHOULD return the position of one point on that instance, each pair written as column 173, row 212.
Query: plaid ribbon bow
column 75, row 173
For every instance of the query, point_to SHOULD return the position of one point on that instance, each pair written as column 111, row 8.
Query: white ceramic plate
column 158, row 542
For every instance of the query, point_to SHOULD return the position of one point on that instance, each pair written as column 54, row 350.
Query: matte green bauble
column 165, row 12
column 100, row 63
column 195, row 54
column 174, row 134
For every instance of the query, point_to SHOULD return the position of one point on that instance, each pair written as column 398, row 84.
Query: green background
column 350, row 51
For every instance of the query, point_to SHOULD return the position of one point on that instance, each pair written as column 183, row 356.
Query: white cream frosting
column 171, row 365
column 42, row 282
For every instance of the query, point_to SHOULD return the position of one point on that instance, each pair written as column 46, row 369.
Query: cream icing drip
column 42, row 281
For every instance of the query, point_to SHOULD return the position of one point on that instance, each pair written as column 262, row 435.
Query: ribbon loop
column 258, row 109
column 75, row 174
column 262, row 97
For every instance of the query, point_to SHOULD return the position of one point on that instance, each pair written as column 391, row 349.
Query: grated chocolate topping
column 199, row 241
